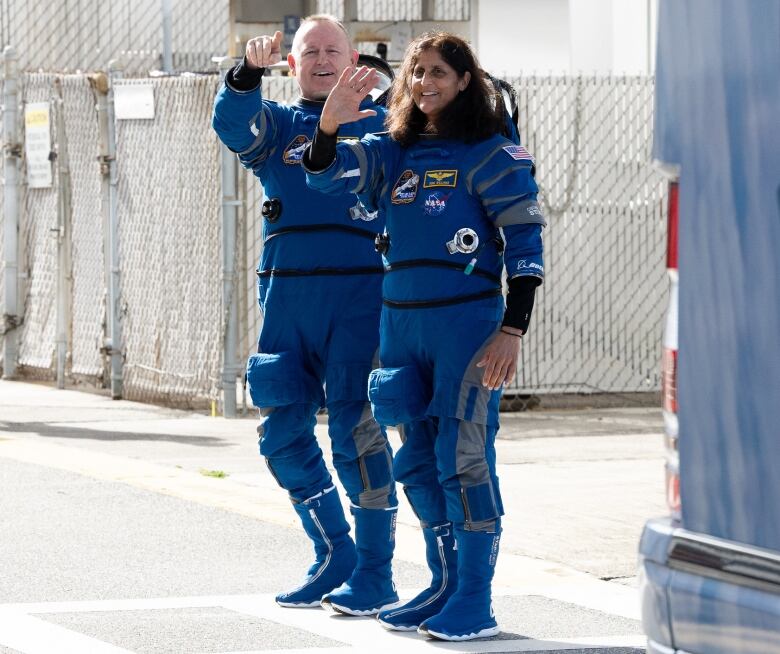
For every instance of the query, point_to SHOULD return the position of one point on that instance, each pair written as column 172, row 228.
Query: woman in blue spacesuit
column 460, row 206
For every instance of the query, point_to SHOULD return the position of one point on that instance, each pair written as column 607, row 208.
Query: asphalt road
column 115, row 536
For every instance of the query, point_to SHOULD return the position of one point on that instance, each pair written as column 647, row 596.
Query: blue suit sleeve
column 246, row 124
column 357, row 168
column 524, row 251
column 504, row 182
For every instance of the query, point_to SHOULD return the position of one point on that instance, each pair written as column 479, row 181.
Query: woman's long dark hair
column 473, row 115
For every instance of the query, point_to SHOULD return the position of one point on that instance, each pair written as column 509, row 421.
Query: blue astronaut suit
column 320, row 292
column 446, row 203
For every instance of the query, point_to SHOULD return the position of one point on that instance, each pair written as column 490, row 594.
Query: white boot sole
column 298, row 605
column 395, row 627
column 329, row 605
column 483, row 633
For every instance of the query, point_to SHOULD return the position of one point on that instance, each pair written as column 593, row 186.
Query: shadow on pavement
column 60, row 431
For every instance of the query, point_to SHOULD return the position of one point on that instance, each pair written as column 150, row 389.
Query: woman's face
column 435, row 83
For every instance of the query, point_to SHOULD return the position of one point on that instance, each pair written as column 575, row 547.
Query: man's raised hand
column 264, row 51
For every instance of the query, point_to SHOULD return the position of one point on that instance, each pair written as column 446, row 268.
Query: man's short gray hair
column 323, row 18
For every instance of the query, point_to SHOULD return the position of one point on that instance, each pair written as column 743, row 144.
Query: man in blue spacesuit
column 460, row 206
column 320, row 292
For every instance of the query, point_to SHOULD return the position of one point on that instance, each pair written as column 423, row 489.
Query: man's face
column 320, row 52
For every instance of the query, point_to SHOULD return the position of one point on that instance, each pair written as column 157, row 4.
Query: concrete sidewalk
column 577, row 484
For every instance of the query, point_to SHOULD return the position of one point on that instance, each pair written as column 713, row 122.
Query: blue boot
column 323, row 521
column 443, row 562
column 370, row 588
column 468, row 613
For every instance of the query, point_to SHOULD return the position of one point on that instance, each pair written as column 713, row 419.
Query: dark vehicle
column 710, row 572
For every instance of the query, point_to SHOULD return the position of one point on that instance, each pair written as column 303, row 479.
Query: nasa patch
column 436, row 203
column 405, row 189
column 293, row 153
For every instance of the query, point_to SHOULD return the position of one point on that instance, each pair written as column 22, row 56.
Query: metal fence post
column 167, row 30
column 113, row 342
column 12, row 152
column 230, row 203
column 99, row 83
column 63, row 234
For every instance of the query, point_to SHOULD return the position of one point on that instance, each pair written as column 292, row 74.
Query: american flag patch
column 518, row 152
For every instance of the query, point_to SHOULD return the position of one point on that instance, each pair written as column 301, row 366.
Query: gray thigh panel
column 470, row 462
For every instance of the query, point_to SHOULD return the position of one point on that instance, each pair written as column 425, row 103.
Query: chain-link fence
column 38, row 257
column 3, row 145
column 168, row 212
column 169, row 244
column 399, row 10
column 87, row 34
column 597, row 322
column 78, row 35
column 87, row 256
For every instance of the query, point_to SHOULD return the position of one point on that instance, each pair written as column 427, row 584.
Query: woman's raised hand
column 343, row 103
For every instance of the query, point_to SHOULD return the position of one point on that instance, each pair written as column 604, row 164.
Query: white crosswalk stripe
column 23, row 627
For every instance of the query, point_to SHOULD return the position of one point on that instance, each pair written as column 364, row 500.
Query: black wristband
column 322, row 152
column 520, row 302
column 243, row 78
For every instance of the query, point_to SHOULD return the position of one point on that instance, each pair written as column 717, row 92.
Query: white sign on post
column 134, row 101
column 37, row 144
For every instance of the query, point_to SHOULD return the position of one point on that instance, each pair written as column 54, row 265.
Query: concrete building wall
column 565, row 36
column 516, row 36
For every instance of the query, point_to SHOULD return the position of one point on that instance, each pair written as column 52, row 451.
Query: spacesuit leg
column 466, row 462
column 413, row 468
column 323, row 521
column 363, row 460
column 289, row 397
column 466, row 458
column 468, row 613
